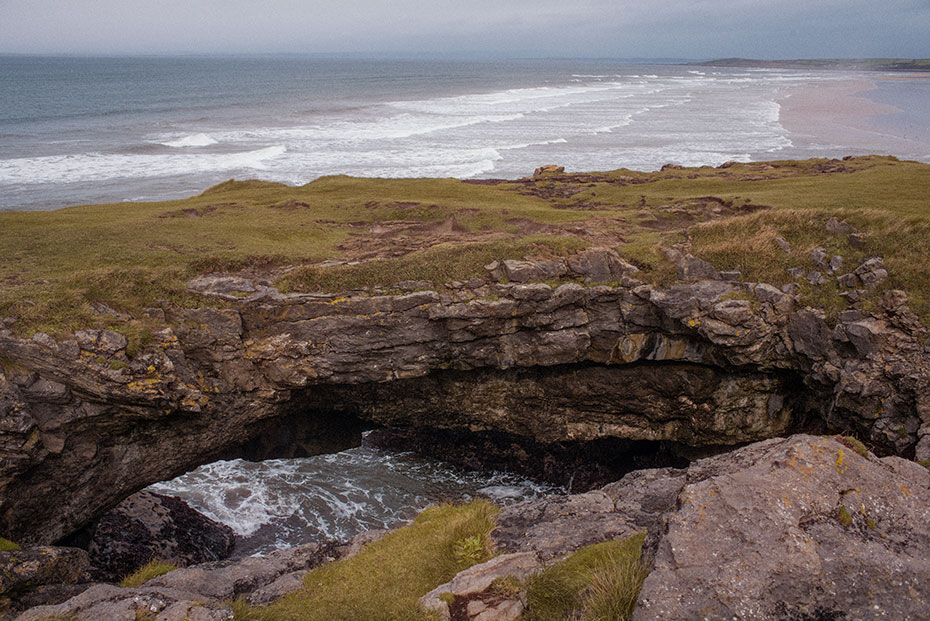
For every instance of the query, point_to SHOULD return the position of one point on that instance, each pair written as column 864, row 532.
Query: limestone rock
column 548, row 169
column 42, row 575
column 477, row 579
column 840, row 227
column 802, row 527
column 872, row 272
column 819, row 257
column 148, row 525
column 225, row 580
column 525, row 271
column 600, row 265
column 783, row 244
column 104, row 601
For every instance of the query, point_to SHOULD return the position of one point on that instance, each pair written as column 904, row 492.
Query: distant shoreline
column 840, row 112
column 834, row 64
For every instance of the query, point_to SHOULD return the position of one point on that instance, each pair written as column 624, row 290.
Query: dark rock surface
column 41, row 575
column 708, row 362
column 149, row 526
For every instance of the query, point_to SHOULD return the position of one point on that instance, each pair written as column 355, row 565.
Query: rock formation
column 802, row 527
column 704, row 362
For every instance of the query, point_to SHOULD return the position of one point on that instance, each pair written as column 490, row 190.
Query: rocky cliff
column 709, row 360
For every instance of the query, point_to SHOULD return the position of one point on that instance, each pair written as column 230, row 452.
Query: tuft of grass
column 6, row 545
column 843, row 517
column 855, row 444
column 152, row 569
column 601, row 581
column 385, row 580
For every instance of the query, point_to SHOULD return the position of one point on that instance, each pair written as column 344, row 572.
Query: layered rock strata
column 716, row 362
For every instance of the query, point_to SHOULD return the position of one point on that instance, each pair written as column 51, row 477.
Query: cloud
column 696, row 28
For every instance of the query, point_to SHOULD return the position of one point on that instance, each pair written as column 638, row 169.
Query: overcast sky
column 537, row 28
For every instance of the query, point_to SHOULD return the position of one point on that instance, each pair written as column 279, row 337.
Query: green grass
column 599, row 582
column 439, row 264
column 385, row 580
column 6, row 545
column 55, row 265
column 152, row 569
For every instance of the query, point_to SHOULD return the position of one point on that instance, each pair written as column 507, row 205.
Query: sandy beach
column 835, row 112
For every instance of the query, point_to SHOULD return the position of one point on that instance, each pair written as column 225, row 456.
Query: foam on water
column 193, row 140
column 284, row 502
column 593, row 116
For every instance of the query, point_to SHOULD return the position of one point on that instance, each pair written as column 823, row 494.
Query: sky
column 697, row 29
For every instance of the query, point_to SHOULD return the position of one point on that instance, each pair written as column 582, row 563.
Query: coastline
column 836, row 112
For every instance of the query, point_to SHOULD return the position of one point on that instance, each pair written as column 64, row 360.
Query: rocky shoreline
column 803, row 527
column 674, row 399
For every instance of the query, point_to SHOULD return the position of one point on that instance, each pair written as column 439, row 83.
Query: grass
column 55, row 266
column 6, row 545
column 152, row 569
column 599, row 582
column 385, row 580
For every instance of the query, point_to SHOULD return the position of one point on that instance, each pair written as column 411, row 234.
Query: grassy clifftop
column 100, row 265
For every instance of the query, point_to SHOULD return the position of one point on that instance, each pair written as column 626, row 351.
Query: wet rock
column 148, row 525
column 802, row 527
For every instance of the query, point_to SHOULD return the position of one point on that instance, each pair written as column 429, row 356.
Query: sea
column 79, row 130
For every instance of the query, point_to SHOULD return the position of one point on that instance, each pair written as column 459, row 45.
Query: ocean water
column 90, row 130
column 278, row 503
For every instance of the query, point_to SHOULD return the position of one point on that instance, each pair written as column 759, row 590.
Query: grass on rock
column 7, row 546
column 385, row 580
column 341, row 233
column 152, row 569
column 598, row 583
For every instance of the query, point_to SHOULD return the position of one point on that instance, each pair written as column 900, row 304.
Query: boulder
column 476, row 580
column 600, row 265
column 548, row 169
column 41, row 575
column 872, row 272
column 797, row 528
column 149, row 526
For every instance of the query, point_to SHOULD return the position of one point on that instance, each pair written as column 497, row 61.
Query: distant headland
column 854, row 64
